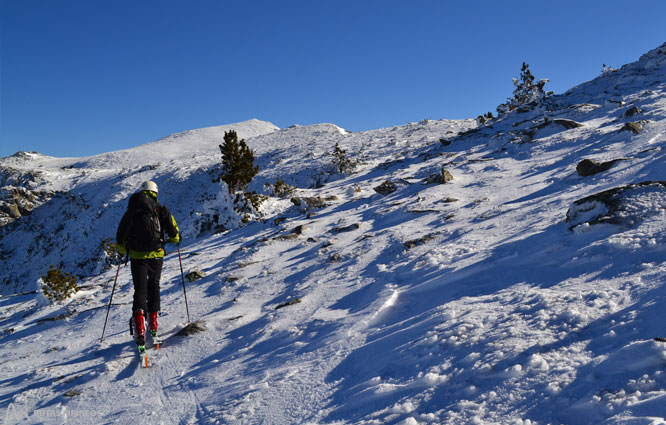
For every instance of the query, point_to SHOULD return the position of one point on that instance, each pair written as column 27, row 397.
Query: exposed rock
column 424, row 211
column 441, row 178
column 527, row 135
column 57, row 317
column 72, row 393
column 16, row 202
column 634, row 127
column 194, row 275
column 192, row 328
column 312, row 202
column 288, row 303
column 568, row 124
column 445, row 142
column 416, row 242
column 298, row 230
column 589, row 167
column 618, row 205
column 288, row 237
column 634, row 110
column 386, row 188
column 12, row 210
column 448, row 200
column 349, row 228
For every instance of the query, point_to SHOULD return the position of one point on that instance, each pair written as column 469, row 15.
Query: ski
column 660, row 339
column 143, row 357
column 155, row 340
column 146, row 360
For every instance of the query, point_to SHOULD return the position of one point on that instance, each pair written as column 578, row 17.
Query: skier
column 141, row 234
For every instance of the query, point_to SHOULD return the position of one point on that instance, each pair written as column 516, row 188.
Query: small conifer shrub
column 482, row 119
column 247, row 202
column 58, row 286
column 238, row 167
column 526, row 91
column 281, row 189
column 342, row 163
column 110, row 249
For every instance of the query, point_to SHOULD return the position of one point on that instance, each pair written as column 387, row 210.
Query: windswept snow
column 473, row 301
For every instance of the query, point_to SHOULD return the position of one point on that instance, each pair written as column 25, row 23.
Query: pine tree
column 238, row 167
column 341, row 162
column 526, row 91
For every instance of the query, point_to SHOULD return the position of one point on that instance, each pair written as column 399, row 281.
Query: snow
column 473, row 301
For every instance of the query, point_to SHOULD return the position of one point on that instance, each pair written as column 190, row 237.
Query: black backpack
column 144, row 232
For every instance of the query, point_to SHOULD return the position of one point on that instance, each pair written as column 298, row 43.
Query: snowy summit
column 509, row 272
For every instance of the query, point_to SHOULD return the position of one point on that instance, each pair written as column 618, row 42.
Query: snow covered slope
column 518, row 292
column 82, row 199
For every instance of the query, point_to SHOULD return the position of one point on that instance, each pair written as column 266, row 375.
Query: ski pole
column 111, row 299
column 182, row 275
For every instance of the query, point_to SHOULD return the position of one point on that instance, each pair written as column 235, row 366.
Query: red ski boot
column 152, row 324
column 139, row 329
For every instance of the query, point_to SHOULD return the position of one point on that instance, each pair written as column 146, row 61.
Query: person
column 140, row 234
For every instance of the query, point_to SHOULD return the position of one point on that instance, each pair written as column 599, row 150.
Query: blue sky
column 85, row 77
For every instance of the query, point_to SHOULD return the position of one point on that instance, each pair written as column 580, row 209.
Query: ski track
column 466, row 302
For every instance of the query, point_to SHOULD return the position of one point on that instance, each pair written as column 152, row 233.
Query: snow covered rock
column 625, row 205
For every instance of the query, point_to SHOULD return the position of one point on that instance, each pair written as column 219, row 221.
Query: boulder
column 568, row 124
column 386, row 188
column 441, row 178
column 623, row 205
column 192, row 328
column 634, row 110
column 349, row 228
column 634, row 127
column 298, row 230
column 589, row 167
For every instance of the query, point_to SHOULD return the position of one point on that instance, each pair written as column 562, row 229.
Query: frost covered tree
column 238, row 167
column 342, row 163
column 526, row 91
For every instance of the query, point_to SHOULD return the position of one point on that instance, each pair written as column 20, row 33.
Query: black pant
column 146, row 276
